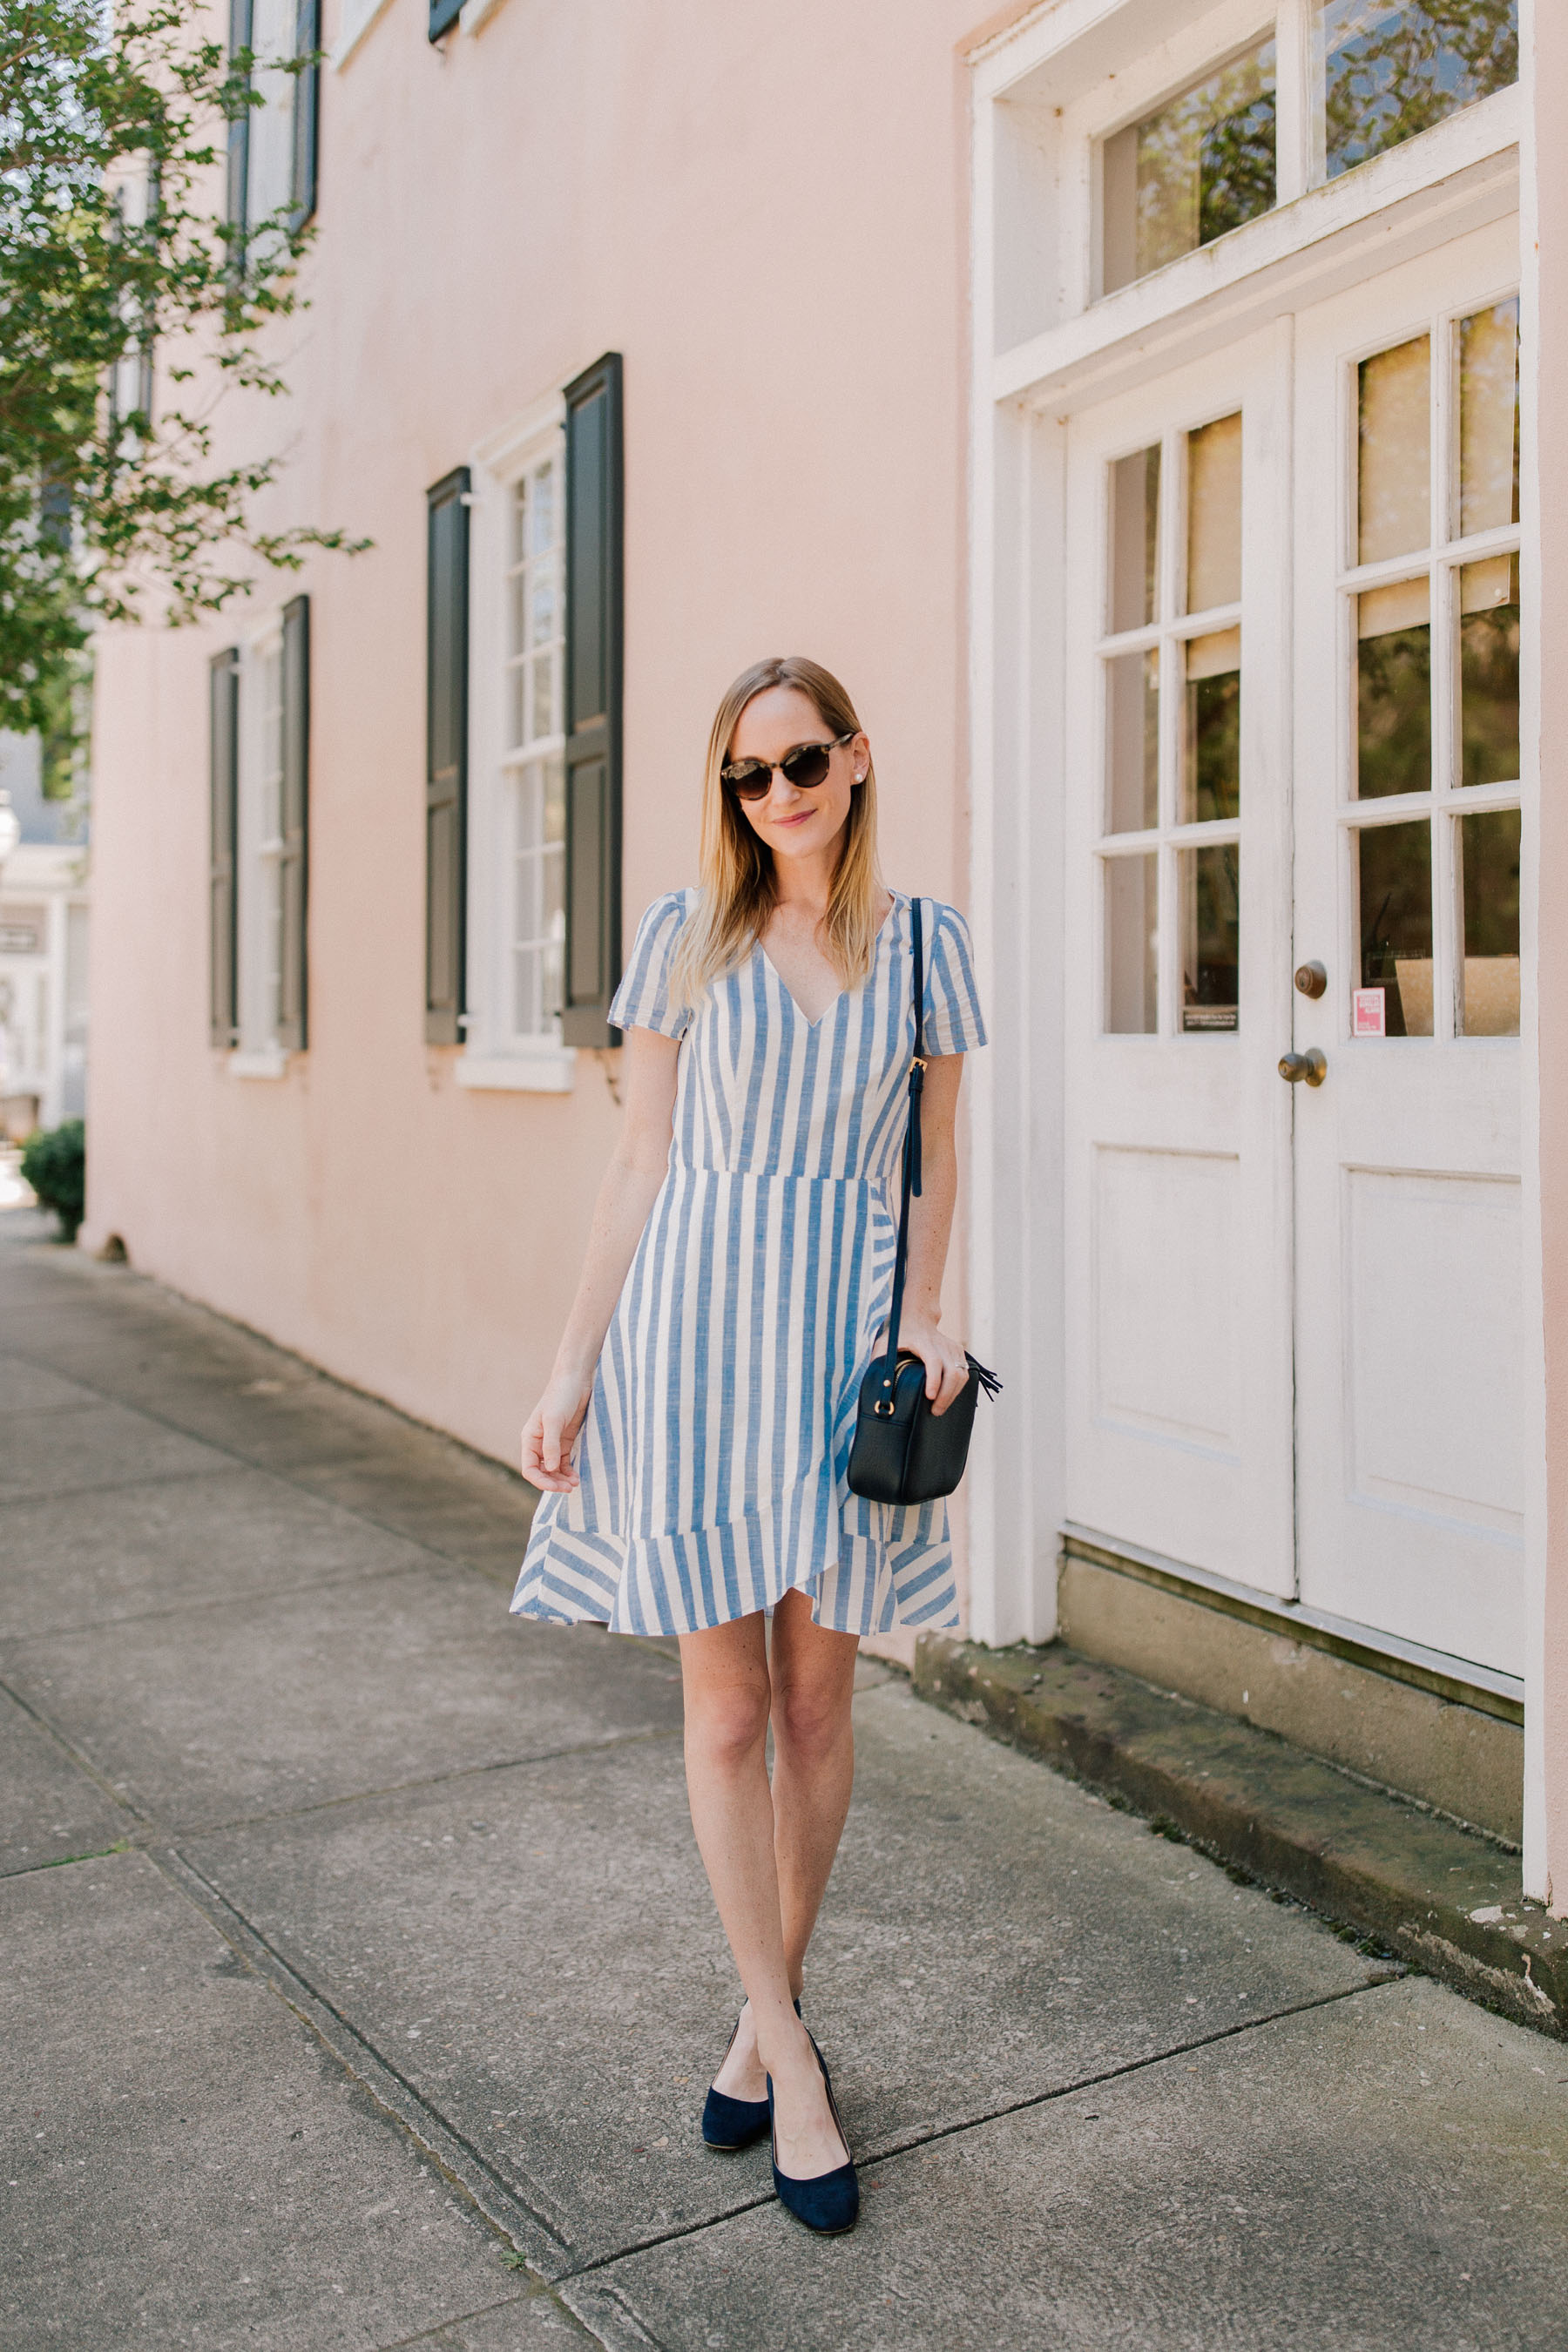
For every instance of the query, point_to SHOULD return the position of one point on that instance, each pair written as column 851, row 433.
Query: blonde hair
column 740, row 885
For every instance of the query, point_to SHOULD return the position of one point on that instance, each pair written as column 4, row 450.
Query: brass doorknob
column 1313, row 1066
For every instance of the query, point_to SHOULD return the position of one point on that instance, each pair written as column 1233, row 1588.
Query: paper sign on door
column 1369, row 1016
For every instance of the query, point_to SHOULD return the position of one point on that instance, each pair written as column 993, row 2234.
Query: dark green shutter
column 223, row 769
column 443, row 15
column 294, row 864
column 595, row 504
column 307, row 108
column 238, row 131
column 446, row 757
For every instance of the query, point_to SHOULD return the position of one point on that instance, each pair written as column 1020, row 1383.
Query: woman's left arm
column 930, row 1225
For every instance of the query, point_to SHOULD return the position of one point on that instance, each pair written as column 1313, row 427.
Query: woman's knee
column 727, row 1725
column 811, row 1714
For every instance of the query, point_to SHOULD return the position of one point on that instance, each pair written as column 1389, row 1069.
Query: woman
column 691, row 1444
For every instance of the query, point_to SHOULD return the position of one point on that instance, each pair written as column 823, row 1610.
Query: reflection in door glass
column 1392, row 67
column 1134, row 721
column 1395, row 876
column 1488, row 860
column 1488, row 419
column 1395, row 451
column 1203, row 165
column 1211, row 743
column 1214, row 515
column 1488, row 671
column 1131, row 945
column 1208, row 887
column 1393, row 690
column 1134, row 540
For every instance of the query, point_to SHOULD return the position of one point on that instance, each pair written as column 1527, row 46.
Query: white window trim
column 257, row 1054
column 1049, row 92
column 541, row 1067
column 477, row 12
column 491, row 1059
column 358, row 17
column 265, row 1062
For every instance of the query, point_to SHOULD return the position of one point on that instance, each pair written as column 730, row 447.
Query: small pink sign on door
column 1369, row 1013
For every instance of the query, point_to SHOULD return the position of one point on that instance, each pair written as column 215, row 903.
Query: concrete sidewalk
column 356, row 1952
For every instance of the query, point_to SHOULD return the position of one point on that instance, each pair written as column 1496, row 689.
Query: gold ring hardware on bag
column 883, row 1412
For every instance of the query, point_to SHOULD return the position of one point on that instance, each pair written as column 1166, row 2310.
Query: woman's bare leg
column 811, row 1678
column 812, row 1673
column 729, row 1696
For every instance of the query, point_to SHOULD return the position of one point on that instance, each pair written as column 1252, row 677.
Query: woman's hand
column 552, row 1426
column 947, row 1366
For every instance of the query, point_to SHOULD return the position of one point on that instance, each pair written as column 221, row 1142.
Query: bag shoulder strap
column 911, row 1169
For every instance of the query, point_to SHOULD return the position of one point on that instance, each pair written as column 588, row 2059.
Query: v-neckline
column 888, row 920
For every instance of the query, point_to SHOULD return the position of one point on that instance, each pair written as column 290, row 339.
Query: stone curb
column 1446, row 1899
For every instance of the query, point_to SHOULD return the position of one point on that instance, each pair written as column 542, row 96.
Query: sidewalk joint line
column 432, row 1781
column 301, row 1996
column 1010, row 2107
column 190, row 1607
column 268, row 1470
column 535, row 2290
column 84, row 1764
column 1396, row 1974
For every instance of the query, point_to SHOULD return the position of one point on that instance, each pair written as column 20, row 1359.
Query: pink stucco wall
column 765, row 210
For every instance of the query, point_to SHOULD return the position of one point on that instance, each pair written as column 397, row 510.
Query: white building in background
column 43, row 952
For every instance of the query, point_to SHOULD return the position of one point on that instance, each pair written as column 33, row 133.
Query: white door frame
column 1038, row 351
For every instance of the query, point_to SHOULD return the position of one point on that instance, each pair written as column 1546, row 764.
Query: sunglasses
column 805, row 767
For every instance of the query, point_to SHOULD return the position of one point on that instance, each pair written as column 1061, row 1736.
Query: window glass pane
column 543, row 697
column 1488, row 860
column 1488, row 419
column 1211, row 744
column 1134, row 540
column 1488, row 671
column 1214, row 515
column 1396, row 455
column 269, row 162
column 555, row 801
column 516, row 712
column 542, row 603
column 1392, row 67
column 542, row 512
column 1131, row 945
column 1203, row 165
column 1395, row 864
column 1134, row 723
column 1209, row 890
column 553, row 954
column 1393, row 690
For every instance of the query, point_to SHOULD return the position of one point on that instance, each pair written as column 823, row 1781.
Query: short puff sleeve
column 642, row 1000
column 954, row 1021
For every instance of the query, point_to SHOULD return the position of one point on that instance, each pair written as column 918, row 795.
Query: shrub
column 54, row 1162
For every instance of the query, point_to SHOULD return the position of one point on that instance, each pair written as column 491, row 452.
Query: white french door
column 1177, row 1168
column 1409, row 1406
column 1293, row 1308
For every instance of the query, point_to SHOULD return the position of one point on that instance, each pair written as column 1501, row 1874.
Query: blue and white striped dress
column 711, row 1462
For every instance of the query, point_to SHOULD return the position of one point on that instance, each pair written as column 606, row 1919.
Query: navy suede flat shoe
column 829, row 2203
column 730, row 2125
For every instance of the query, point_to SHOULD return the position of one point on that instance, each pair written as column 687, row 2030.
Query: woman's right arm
column 626, row 1200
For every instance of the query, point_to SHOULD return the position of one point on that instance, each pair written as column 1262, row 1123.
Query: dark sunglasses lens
column 749, row 780
column 806, row 766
